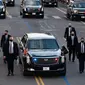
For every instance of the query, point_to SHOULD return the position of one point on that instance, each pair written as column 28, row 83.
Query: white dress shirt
column 69, row 31
column 6, row 36
column 82, row 47
column 11, row 50
column 72, row 37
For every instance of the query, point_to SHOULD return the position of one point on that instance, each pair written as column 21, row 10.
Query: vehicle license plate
column 33, row 13
column 46, row 68
column 82, row 16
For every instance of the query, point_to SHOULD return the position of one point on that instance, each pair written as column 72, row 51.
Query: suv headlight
column 12, row 0
column 62, row 59
column 24, row 9
column 42, row 9
column 28, row 59
column 3, row 9
column 75, row 11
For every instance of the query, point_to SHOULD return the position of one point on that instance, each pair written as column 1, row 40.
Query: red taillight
column 56, row 59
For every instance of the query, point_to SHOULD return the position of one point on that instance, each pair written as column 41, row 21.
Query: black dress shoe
column 81, row 72
column 72, row 60
column 8, row 74
column 12, row 74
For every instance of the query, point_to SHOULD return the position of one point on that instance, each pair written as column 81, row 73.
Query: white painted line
column 83, row 22
column 56, row 17
column 61, row 10
column 45, row 17
column 8, row 15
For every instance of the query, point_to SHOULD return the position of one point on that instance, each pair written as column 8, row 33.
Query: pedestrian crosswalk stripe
column 56, row 17
column 45, row 17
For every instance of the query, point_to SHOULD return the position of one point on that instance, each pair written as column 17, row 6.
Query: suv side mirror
column 64, row 50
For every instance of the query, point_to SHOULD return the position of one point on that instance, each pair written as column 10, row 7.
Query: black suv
column 10, row 2
column 2, row 10
column 76, row 10
column 50, row 2
column 32, row 8
column 40, row 52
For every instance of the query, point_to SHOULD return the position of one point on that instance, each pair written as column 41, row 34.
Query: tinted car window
column 79, row 5
column 32, row 2
column 1, row 3
column 43, row 44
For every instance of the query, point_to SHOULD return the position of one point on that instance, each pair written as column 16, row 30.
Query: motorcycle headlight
column 75, row 11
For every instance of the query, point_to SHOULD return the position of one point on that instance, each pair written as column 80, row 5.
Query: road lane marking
column 45, row 17
column 61, row 10
column 83, row 22
column 66, row 80
column 37, row 80
column 42, row 83
column 8, row 15
column 56, row 17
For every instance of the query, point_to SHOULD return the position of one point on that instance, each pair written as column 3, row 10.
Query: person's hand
column 65, row 39
column 4, row 57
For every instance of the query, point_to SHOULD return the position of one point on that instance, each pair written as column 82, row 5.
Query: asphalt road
column 54, row 22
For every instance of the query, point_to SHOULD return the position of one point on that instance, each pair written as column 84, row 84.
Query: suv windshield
column 43, row 44
column 79, row 5
column 1, row 3
column 32, row 2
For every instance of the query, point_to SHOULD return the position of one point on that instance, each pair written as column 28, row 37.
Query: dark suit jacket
column 79, row 51
column 6, row 50
column 70, row 41
column 3, row 39
column 66, row 35
column 79, row 48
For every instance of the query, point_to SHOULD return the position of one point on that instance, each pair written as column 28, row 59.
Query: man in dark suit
column 81, row 55
column 72, row 43
column 11, row 51
column 67, row 33
column 4, row 39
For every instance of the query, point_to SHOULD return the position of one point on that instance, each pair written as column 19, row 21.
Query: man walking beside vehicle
column 72, row 43
column 4, row 40
column 67, row 33
column 81, row 55
column 11, row 52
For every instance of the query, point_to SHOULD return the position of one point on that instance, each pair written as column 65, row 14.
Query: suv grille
column 46, row 61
